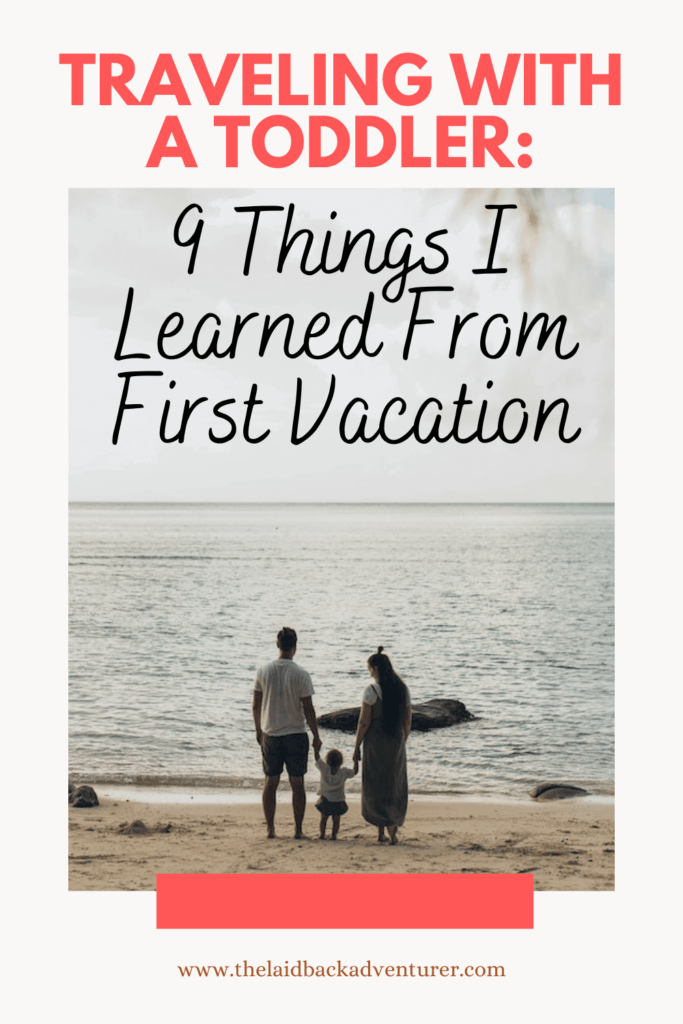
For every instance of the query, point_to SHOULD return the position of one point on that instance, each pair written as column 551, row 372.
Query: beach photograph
column 381, row 420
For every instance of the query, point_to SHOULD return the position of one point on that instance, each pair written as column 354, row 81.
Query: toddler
column 332, row 778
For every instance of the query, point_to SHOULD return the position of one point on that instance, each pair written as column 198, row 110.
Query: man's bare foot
column 299, row 834
column 271, row 832
column 333, row 836
column 393, row 834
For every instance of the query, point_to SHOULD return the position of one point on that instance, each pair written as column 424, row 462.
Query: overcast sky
column 558, row 250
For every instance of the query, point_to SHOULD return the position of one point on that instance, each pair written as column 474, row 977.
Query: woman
column 383, row 728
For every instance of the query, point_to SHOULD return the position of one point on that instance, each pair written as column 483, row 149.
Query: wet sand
column 566, row 844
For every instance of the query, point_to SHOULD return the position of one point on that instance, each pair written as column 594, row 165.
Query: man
column 282, row 706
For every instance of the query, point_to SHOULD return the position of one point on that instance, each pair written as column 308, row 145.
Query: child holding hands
column 332, row 802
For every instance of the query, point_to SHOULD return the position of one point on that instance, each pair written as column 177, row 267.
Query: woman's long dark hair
column 394, row 692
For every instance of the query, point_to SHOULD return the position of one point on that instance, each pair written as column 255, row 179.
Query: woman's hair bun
column 379, row 650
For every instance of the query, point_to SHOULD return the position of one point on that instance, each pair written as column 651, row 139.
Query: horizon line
column 200, row 501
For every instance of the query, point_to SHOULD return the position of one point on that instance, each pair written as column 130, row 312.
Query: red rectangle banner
column 345, row 901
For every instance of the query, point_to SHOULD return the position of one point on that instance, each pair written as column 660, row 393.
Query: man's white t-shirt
column 283, row 683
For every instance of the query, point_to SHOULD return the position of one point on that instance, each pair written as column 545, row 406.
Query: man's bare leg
column 298, row 803
column 269, row 791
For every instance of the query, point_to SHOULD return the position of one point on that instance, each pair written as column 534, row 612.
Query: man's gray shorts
column 291, row 751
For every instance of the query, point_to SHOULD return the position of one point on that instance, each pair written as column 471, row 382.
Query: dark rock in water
column 556, row 791
column 439, row 713
column 84, row 796
column 346, row 720
column 434, row 714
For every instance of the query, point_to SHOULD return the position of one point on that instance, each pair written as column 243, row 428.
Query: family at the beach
column 283, row 707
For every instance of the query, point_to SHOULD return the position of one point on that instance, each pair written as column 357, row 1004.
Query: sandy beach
column 124, row 843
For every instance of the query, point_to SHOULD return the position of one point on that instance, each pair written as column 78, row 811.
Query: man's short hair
column 286, row 639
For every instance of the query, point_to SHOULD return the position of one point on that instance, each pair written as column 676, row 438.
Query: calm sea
column 508, row 608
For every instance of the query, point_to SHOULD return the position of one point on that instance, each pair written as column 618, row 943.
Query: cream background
column 589, row 955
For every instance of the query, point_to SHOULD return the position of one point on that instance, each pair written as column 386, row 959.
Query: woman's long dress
column 385, row 777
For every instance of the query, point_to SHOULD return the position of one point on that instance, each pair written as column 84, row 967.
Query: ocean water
column 509, row 608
